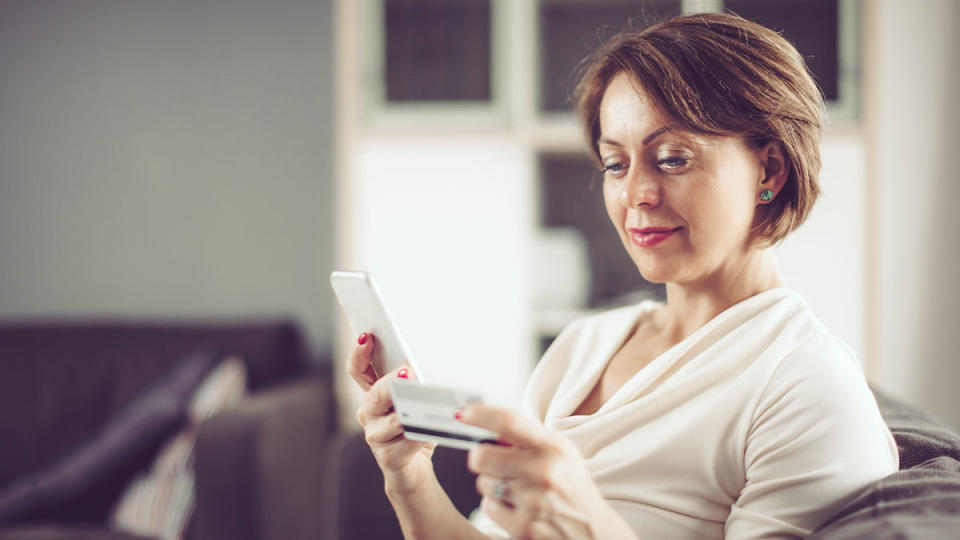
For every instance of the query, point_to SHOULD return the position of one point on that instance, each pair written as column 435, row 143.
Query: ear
column 773, row 164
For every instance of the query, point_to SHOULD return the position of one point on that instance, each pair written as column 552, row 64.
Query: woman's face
column 683, row 203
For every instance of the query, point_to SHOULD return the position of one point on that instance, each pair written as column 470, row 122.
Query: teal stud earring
column 766, row 195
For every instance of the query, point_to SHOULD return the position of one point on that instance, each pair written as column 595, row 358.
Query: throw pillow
column 159, row 503
column 133, row 432
column 920, row 437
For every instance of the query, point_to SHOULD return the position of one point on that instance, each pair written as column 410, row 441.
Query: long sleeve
column 816, row 440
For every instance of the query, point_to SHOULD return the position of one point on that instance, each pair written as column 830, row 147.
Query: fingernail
column 402, row 373
column 362, row 339
column 458, row 414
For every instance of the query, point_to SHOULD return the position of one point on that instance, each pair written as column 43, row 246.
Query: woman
column 727, row 411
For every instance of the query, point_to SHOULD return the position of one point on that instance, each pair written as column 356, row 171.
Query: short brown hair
column 720, row 74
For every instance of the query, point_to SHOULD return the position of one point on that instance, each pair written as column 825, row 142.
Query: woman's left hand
column 536, row 486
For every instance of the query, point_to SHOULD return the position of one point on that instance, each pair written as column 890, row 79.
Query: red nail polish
column 402, row 373
column 458, row 414
column 362, row 339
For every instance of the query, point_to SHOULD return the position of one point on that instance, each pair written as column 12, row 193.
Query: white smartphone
column 427, row 414
column 361, row 300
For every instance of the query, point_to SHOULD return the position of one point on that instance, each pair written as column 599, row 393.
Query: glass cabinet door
column 437, row 50
column 570, row 30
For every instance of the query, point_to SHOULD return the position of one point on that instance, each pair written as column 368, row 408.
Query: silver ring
column 500, row 490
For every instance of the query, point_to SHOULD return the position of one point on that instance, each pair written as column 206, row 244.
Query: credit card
column 426, row 413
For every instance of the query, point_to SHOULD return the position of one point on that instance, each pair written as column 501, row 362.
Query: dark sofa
column 258, row 466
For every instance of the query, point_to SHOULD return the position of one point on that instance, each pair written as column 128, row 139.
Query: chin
column 655, row 273
column 656, row 267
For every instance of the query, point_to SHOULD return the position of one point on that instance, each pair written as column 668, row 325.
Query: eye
column 673, row 163
column 615, row 170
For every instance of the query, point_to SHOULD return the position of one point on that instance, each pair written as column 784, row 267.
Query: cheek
column 725, row 213
column 698, row 206
column 615, row 211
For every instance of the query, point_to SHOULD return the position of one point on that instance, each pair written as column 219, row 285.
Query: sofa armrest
column 259, row 465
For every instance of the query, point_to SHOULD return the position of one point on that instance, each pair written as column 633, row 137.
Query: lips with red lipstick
column 651, row 236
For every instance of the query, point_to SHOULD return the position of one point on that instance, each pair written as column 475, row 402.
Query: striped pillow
column 159, row 503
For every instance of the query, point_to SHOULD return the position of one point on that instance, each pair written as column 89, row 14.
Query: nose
column 639, row 190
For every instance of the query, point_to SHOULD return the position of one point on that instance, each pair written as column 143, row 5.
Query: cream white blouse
column 758, row 425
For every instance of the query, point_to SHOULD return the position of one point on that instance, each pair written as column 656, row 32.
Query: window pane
column 571, row 196
column 812, row 27
column 437, row 50
column 572, row 29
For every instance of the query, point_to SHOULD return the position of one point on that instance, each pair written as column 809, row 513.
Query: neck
column 692, row 305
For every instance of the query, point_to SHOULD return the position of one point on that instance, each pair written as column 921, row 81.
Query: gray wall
column 166, row 159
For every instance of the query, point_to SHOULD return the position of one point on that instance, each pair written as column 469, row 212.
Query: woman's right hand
column 406, row 464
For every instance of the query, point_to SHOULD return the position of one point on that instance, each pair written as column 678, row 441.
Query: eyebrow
column 646, row 140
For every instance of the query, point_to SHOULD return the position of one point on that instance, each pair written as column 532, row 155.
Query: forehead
column 625, row 106
column 629, row 116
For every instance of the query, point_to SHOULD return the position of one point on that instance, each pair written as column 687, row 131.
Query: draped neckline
column 592, row 367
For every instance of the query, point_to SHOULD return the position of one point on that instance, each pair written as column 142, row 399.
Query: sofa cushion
column 134, row 432
column 919, row 436
column 920, row 502
column 159, row 503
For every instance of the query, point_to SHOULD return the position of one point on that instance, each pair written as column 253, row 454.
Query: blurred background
column 215, row 160
column 175, row 172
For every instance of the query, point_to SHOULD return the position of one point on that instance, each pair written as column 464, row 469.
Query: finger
column 383, row 429
column 512, row 427
column 378, row 401
column 523, row 522
column 499, row 461
column 504, row 514
column 359, row 366
column 487, row 486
